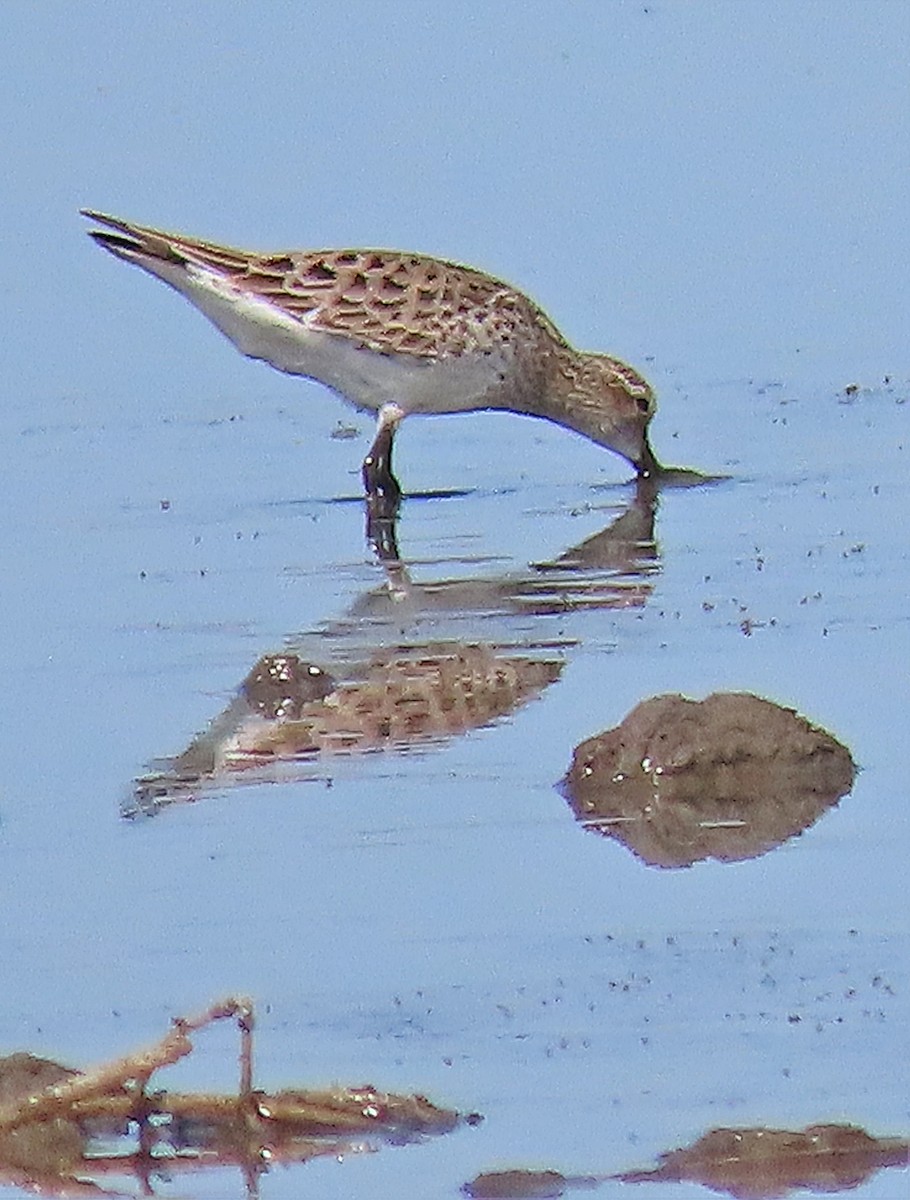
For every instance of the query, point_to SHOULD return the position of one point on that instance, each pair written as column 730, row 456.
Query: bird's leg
column 381, row 486
column 382, row 535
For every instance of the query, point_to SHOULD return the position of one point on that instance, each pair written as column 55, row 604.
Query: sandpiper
column 398, row 333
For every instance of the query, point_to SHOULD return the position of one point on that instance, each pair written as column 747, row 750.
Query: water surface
column 429, row 916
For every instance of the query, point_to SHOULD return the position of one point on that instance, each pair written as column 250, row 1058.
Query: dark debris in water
column 744, row 1164
column 524, row 1185
column 58, row 1125
column 762, row 1164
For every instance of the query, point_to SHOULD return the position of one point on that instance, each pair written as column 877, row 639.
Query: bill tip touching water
column 399, row 333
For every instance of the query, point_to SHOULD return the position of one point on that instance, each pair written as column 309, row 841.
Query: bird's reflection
column 288, row 710
column 613, row 568
column 412, row 663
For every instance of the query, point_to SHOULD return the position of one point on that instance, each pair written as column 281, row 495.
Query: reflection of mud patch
column 729, row 778
column 747, row 1164
column 51, row 1146
column 64, row 1132
column 757, row 1164
column 519, row 1185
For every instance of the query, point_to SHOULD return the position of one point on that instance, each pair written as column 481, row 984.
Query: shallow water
column 431, row 917
column 712, row 191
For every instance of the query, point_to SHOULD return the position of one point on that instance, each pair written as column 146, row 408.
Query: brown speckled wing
column 390, row 302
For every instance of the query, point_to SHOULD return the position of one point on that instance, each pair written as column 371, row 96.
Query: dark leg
column 382, row 534
column 381, row 486
column 647, row 466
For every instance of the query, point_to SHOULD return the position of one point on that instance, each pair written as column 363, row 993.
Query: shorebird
column 398, row 333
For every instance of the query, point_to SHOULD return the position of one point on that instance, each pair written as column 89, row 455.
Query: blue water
column 715, row 193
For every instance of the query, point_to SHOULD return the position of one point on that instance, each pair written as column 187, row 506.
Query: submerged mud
column 726, row 778
column 744, row 1164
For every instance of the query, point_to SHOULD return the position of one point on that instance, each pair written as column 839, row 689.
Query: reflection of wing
column 405, row 697
column 288, row 710
column 763, row 1163
column 729, row 778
